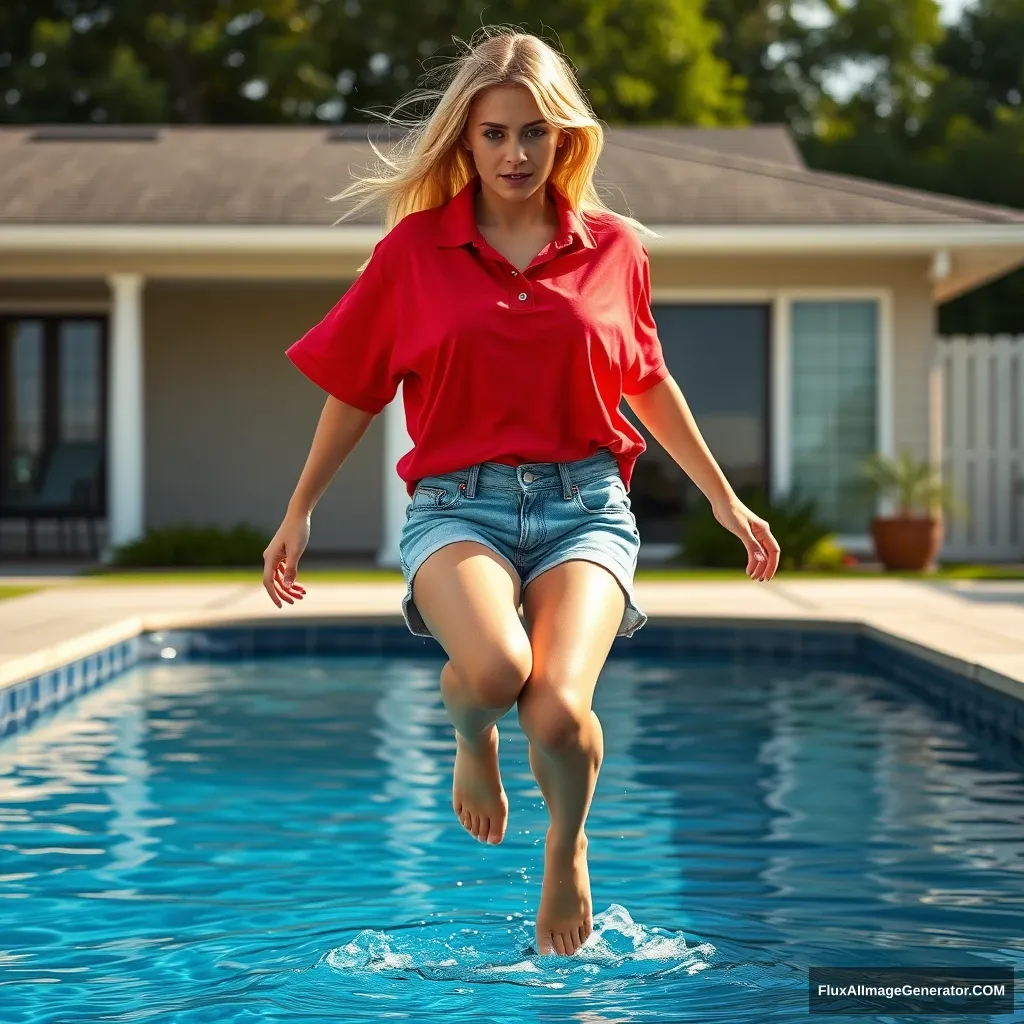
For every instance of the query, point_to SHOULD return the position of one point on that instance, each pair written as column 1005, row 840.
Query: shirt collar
column 458, row 219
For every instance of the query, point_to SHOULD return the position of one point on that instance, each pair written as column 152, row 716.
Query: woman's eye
column 492, row 132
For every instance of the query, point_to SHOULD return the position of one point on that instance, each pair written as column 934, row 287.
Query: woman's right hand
column 281, row 559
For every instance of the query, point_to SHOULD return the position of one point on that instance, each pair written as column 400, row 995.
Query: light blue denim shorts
column 535, row 515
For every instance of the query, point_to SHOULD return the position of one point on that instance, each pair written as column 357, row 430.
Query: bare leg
column 478, row 796
column 567, row 777
column 468, row 597
column 574, row 610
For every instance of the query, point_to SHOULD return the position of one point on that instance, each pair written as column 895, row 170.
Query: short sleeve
column 645, row 366
column 348, row 353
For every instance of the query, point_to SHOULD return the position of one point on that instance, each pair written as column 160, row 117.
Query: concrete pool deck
column 975, row 628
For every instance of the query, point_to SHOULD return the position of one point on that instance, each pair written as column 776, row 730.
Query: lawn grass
column 665, row 574
column 15, row 591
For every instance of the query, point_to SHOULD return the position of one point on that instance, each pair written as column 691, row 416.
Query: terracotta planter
column 909, row 543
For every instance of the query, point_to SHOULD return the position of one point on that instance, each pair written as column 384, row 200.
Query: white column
column 781, row 353
column 125, row 444
column 395, row 498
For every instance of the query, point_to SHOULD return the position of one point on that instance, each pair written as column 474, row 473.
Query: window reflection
column 79, row 380
column 24, row 401
column 834, row 416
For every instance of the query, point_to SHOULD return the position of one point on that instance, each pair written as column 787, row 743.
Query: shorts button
column 528, row 477
column 522, row 296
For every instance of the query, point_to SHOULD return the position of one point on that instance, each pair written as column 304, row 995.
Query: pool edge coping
column 95, row 642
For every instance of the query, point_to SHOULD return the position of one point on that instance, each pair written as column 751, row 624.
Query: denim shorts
column 535, row 515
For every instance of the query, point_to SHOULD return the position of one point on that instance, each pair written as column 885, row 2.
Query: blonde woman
column 515, row 310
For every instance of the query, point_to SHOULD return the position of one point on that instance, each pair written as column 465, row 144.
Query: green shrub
column 187, row 544
column 827, row 554
column 793, row 522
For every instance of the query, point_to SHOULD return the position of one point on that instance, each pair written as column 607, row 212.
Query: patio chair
column 70, row 489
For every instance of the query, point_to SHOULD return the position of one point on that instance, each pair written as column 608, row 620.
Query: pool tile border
column 953, row 686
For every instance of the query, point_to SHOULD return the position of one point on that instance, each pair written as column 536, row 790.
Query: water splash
column 453, row 953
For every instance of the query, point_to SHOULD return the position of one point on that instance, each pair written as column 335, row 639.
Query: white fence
column 982, row 443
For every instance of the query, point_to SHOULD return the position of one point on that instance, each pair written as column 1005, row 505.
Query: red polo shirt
column 496, row 365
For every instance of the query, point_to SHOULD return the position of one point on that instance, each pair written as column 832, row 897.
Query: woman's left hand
column 762, row 547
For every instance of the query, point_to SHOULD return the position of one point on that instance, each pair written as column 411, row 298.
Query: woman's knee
column 495, row 678
column 550, row 718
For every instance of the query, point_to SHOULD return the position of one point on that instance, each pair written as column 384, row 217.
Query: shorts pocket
column 437, row 494
column 605, row 494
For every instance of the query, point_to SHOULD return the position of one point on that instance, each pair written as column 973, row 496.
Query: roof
column 274, row 175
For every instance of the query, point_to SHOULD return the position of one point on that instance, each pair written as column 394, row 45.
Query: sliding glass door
column 53, row 429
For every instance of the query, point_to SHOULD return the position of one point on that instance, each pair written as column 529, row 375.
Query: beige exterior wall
column 229, row 420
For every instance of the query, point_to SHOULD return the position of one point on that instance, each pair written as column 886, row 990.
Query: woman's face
column 506, row 134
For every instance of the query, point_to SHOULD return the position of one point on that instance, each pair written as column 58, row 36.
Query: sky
column 951, row 9
column 842, row 82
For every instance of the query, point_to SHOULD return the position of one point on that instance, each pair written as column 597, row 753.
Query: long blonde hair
column 429, row 166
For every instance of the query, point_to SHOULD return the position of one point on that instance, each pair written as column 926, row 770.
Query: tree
column 267, row 61
column 964, row 137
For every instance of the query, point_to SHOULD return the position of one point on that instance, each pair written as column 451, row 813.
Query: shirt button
column 515, row 273
column 522, row 296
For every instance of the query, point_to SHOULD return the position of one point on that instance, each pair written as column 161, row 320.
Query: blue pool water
column 274, row 841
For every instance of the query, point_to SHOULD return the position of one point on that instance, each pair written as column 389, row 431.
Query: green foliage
column 915, row 484
column 826, row 554
column 187, row 544
column 309, row 61
column 793, row 523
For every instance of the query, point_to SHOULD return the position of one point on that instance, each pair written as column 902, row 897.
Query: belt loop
column 470, row 485
column 567, row 486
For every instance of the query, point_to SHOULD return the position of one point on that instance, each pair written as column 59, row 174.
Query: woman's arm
column 340, row 428
column 664, row 411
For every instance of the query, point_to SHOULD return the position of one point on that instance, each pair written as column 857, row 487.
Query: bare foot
column 478, row 796
column 566, row 915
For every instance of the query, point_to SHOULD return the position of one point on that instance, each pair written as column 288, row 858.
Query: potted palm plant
column 910, row 538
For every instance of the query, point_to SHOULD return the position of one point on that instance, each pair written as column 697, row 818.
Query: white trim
column 903, row 238
column 780, row 458
column 780, row 343
column 713, row 296
column 886, row 375
column 41, row 307
column 188, row 238
column 126, row 460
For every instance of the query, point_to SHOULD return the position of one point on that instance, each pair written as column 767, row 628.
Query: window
column 834, row 407
column 53, row 428
column 719, row 354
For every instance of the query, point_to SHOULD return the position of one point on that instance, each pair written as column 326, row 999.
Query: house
column 152, row 278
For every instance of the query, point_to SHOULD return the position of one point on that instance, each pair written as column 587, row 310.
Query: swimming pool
column 273, row 840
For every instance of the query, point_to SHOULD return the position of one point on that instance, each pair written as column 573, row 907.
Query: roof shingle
column 283, row 175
